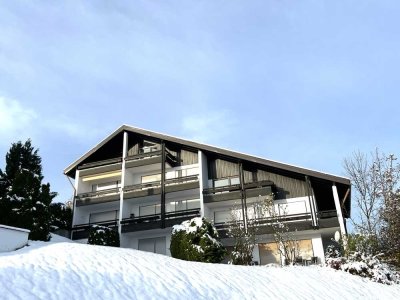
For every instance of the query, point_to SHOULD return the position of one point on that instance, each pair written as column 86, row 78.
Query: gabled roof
column 204, row 147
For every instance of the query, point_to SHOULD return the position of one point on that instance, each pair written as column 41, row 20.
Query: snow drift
column 76, row 271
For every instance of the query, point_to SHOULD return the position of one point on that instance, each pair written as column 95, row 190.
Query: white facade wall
column 318, row 248
column 256, row 254
column 131, row 239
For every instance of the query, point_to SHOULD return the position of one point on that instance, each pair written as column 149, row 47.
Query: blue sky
column 302, row 82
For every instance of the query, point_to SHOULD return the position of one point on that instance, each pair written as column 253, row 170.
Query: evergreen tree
column 196, row 240
column 103, row 236
column 61, row 216
column 24, row 200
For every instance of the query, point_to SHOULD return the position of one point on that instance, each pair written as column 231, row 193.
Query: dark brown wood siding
column 248, row 176
column 133, row 148
column 189, row 157
column 286, row 187
column 219, row 168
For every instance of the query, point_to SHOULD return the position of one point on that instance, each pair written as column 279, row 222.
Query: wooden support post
column 311, row 200
column 201, row 162
column 75, row 186
column 162, row 184
column 339, row 215
column 243, row 195
column 121, row 190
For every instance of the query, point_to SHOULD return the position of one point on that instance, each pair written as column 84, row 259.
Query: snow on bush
column 196, row 240
column 103, row 236
column 364, row 265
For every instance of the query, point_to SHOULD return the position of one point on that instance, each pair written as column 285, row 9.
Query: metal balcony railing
column 154, row 153
column 156, row 184
column 100, row 163
column 98, row 193
column 236, row 187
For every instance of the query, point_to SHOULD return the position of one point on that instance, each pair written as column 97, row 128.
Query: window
column 154, row 245
column 181, row 173
column 182, row 205
column 192, row 204
column 151, row 178
column 222, row 216
column 147, row 210
column 104, row 216
column 269, row 253
column 106, row 186
column 306, row 249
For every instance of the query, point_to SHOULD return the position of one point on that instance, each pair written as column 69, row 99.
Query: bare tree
column 244, row 237
column 365, row 179
column 284, row 236
column 376, row 180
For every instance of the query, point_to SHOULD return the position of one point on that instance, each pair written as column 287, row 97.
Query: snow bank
column 75, row 271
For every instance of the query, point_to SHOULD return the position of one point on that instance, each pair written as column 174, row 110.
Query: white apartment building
column 142, row 183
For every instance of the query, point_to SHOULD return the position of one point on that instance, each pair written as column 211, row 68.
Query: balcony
column 328, row 218
column 233, row 191
column 138, row 190
column 294, row 221
column 154, row 188
column 102, row 196
column 139, row 223
column 154, row 221
column 294, row 212
column 150, row 157
column 82, row 231
column 100, row 163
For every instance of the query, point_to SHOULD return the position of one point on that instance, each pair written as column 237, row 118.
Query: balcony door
column 269, row 254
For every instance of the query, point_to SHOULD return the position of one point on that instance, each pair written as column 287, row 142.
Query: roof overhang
column 69, row 171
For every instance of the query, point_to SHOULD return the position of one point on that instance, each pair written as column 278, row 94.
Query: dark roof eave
column 312, row 173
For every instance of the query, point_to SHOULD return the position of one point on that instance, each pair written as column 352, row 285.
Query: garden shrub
column 103, row 236
column 196, row 240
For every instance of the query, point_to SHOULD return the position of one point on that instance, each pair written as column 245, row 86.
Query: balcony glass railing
column 224, row 182
column 282, row 210
column 157, row 216
column 231, row 184
column 100, row 163
column 156, row 184
column 100, row 193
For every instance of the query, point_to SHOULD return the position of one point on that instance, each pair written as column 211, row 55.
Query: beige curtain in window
column 269, row 253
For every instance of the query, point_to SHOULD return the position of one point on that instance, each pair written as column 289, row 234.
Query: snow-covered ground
column 65, row 270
